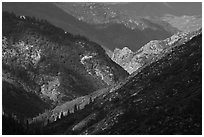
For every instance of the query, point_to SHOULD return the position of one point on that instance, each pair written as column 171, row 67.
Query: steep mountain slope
column 131, row 61
column 109, row 35
column 51, row 63
column 11, row 126
column 165, row 97
column 68, row 107
column 21, row 103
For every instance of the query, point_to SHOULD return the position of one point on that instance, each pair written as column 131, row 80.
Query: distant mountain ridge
column 109, row 35
column 184, row 23
column 142, row 16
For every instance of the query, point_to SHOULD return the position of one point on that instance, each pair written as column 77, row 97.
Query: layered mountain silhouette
column 117, row 31
column 163, row 97
column 54, row 65
column 171, row 17
column 101, row 68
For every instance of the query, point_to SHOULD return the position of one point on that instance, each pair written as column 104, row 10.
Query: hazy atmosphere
column 101, row 68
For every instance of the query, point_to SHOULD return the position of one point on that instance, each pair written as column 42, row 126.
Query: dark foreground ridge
column 165, row 97
column 162, row 97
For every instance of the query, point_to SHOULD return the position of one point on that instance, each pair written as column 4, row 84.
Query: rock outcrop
column 132, row 61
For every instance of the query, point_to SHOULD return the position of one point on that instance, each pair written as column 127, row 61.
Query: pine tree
column 68, row 112
column 90, row 100
column 75, row 108
column 27, row 124
column 48, row 121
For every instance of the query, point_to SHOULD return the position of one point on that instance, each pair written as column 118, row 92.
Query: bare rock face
column 123, row 57
column 132, row 61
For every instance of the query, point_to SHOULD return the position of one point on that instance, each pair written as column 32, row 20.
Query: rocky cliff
column 132, row 61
